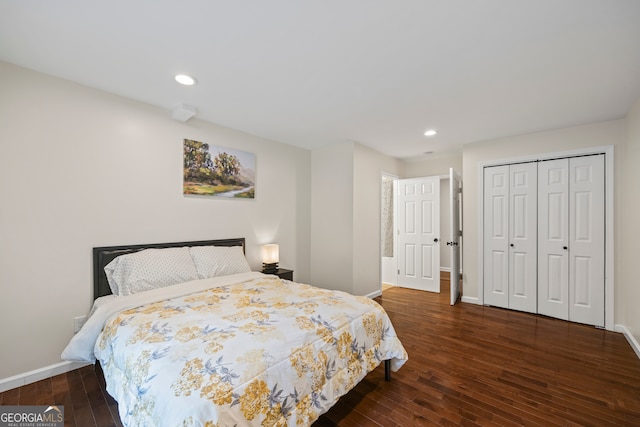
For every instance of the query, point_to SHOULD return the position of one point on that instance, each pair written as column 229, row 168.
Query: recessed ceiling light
column 183, row 79
column 430, row 132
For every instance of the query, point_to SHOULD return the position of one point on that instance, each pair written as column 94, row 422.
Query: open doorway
column 391, row 263
column 387, row 220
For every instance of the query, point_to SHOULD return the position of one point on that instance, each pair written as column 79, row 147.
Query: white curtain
column 387, row 217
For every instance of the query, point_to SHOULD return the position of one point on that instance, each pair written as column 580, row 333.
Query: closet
column 544, row 237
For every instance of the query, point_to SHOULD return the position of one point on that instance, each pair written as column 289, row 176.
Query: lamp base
column 270, row 268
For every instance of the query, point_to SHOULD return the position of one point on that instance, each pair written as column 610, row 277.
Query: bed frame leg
column 387, row 370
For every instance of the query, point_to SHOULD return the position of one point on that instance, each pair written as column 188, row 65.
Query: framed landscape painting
column 218, row 171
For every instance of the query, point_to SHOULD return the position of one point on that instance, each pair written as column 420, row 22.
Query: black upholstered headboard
column 104, row 255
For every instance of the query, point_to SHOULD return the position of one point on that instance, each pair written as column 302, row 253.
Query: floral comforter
column 252, row 350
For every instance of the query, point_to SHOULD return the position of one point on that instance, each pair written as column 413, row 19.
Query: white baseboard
column 470, row 300
column 38, row 374
column 629, row 336
column 374, row 294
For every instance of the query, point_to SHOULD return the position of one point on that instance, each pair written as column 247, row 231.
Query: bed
column 194, row 338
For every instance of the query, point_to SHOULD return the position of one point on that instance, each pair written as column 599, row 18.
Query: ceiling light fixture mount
column 430, row 132
column 183, row 112
column 186, row 80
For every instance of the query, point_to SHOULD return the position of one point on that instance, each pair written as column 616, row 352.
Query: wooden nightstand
column 283, row 273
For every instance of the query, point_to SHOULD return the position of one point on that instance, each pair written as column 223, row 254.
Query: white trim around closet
column 609, row 219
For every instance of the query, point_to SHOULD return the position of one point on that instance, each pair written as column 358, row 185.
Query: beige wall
column 345, row 219
column 332, row 217
column 432, row 165
column 367, row 202
column 81, row 168
column 629, row 228
column 594, row 135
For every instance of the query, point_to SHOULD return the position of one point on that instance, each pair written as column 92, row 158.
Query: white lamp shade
column 271, row 254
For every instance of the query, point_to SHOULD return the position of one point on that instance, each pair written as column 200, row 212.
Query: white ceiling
column 316, row 72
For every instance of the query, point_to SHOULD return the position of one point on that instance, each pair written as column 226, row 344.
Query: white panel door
column 586, row 240
column 523, row 229
column 419, row 233
column 455, row 193
column 553, row 238
column 496, row 236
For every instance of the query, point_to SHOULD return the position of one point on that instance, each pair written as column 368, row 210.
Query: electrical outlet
column 78, row 322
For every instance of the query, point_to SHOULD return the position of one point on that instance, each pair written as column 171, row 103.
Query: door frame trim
column 609, row 176
column 394, row 178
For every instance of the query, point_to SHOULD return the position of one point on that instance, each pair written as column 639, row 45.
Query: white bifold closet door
column 571, row 239
column 510, row 227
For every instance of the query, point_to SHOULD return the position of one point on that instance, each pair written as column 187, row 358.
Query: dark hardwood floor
column 468, row 366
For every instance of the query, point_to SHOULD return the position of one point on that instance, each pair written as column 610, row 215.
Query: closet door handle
column 511, row 245
column 435, row 240
column 565, row 248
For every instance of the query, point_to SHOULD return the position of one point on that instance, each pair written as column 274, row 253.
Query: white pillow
column 214, row 261
column 149, row 269
column 100, row 301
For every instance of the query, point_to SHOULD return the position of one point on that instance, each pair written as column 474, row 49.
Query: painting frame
column 217, row 171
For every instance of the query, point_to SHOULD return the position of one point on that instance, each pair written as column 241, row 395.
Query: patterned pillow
column 214, row 261
column 150, row 269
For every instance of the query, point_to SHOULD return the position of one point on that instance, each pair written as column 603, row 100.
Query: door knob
column 435, row 240
column 565, row 248
column 511, row 245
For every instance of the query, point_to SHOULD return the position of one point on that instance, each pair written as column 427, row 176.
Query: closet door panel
column 581, row 272
column 556, row 275
column 553, row 238
column 496, row 232
column 523, row 219
column 586, row 240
